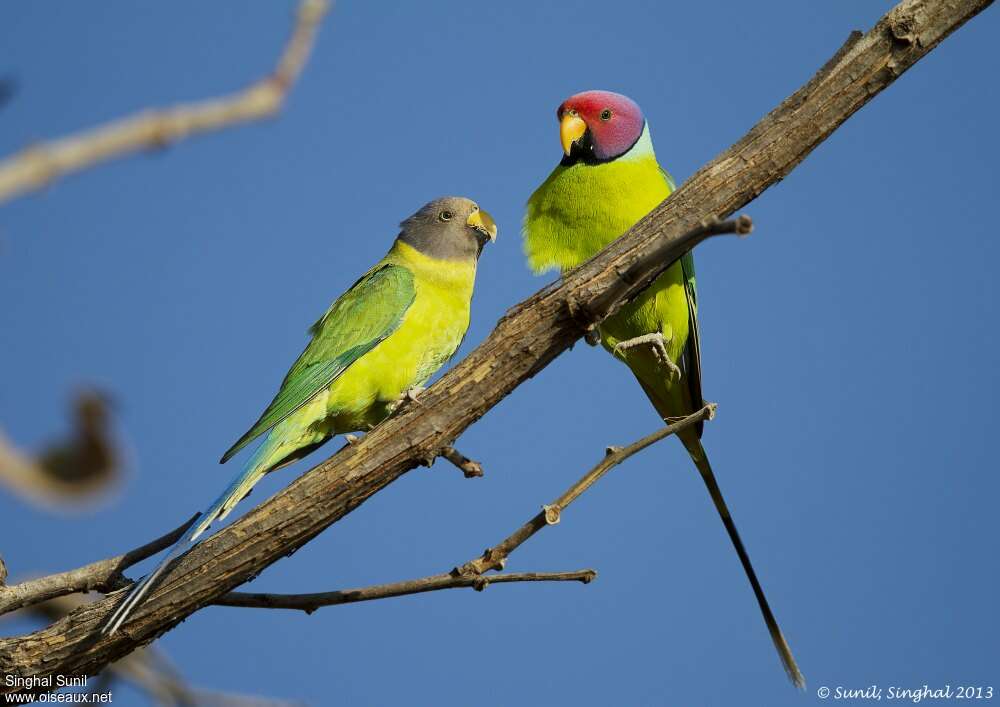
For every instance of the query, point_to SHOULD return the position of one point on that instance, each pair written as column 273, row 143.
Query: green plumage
column 361, row 319
column 582, row 207
column 579, row 210
column 385, row 336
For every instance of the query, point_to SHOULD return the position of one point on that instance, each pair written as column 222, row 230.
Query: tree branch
column 102, row 576
column 471, row 469
column 311, row 602
column 37, row 166
column 105, row 575
column 494, row 558
column 471, row 573
column 149, row 670
column 525, row 340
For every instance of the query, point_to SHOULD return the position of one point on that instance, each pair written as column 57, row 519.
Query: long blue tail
column 255, row 469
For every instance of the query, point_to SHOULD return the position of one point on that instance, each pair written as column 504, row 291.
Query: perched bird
column 374, row 347
column 607, row 181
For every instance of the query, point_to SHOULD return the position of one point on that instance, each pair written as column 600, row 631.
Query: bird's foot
column 408, row 396
column 658, row 343
column 351, row 439
column 411, row 394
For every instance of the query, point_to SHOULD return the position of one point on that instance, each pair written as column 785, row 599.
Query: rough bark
column 525, row 340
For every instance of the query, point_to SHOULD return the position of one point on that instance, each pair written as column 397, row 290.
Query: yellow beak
column 571, row 129
column 484, row 223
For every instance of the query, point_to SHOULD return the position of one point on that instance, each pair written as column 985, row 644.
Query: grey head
column 449, row 228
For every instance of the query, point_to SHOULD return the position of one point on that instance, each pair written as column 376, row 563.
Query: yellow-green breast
column 582, row 208
column 428, row 336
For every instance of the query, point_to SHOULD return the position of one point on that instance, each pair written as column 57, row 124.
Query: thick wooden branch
column 38, row 166
column 149, row 670
column 472, row 573
column 525, row 340
column 106, row 575
column 101, row 576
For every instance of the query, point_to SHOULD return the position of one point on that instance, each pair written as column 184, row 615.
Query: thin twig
column 101, row 576
column 495, row 558
column 311, row 602
column 469, row 467
column 37, row 166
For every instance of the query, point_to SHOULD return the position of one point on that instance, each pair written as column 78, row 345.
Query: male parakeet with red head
column 607, row 181
column 377, row 343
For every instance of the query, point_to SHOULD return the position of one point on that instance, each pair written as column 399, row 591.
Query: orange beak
column 571, row 129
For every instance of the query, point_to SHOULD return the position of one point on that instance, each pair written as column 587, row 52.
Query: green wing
column 356, row 323
column 692, row 352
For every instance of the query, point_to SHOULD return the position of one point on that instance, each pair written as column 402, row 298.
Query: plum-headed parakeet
column 607, row 181
column 378, row 342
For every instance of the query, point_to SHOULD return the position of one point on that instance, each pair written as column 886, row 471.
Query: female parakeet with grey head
column 606, row 182
column 378, row 342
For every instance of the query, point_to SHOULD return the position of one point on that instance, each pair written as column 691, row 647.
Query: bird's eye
column 606, row 114
column 445, row 215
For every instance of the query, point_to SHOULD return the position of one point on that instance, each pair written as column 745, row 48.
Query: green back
column 357, row 322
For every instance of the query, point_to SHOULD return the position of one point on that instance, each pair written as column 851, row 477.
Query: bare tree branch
column 311, row 602
column 496, row 557
column 470, row 468
column 102, row 576
column 150, row 670
column 105, row 575
column 471, row 574
column 525, row 340
column 37, row 166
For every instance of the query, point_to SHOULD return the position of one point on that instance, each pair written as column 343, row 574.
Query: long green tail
column 700, row 459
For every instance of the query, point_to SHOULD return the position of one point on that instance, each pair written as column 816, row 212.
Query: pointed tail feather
column 237, row 490
column 700, row 458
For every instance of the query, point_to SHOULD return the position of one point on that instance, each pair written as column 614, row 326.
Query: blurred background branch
column 66, row 472
column 39, row 165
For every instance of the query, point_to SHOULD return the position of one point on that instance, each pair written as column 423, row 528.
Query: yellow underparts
column 428, row 336
column 582, row 208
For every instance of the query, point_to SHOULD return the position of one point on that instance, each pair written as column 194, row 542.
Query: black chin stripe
column 583, row 152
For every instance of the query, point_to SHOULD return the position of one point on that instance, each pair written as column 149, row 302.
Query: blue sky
column 850, row 343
